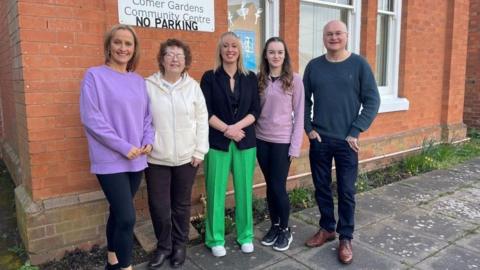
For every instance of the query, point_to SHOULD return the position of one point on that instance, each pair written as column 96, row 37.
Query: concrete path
column 426, row 222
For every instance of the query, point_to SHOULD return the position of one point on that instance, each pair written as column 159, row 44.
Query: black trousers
column 119, row 189
column 346, row 164
column 169, row 200
column 274, row 162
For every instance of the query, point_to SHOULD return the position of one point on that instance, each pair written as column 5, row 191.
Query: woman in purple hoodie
column 118, row 125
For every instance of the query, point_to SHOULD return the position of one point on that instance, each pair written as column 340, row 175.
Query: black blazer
column 214, row 86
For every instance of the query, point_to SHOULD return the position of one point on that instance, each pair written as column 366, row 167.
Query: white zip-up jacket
column 180, row 119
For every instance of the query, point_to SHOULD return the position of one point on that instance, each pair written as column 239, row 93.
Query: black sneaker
column 271, row 235
column 283, row 241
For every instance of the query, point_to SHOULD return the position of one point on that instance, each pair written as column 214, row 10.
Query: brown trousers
column 169, row 200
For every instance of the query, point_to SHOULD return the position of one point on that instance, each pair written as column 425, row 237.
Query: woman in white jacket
column 180, row 120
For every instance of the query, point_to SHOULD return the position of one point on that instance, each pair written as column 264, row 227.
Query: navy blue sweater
column 339, row 90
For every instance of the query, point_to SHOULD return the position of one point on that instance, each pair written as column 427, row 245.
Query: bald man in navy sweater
column 345, row 103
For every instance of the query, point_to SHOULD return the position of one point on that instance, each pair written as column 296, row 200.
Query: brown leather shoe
column 320, row 238
column 345, row 254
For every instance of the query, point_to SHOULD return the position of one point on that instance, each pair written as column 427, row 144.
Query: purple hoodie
column 114, row 111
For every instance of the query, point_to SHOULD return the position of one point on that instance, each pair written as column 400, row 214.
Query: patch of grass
column 431, row 157
column 301, row 198
column 260, row 209
column 28, row 266
column 229, row 220
column 362, row 183
column 19, row 250
column 198, row 223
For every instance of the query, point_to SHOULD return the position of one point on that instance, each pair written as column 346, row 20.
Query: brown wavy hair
column 287, row 73
column 173, row 42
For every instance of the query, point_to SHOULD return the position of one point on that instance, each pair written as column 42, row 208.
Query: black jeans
column 119, row 189
column 346, row 164
column 169, row 200
column 274, row 162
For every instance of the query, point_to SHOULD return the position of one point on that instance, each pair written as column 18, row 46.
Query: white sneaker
column 219, row 251
column 247, row 248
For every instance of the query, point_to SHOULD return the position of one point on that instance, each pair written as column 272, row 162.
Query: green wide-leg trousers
column 218, row 165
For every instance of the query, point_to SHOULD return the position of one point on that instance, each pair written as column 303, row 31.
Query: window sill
column 393, row 104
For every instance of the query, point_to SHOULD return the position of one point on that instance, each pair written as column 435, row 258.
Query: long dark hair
column 286, row 77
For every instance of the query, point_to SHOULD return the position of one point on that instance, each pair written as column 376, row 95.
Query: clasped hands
column 234, row 133
column 136, row 152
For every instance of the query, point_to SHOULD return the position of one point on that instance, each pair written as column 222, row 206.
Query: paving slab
column 300, row 231
column 452, row 257
column 471, row 241
column 325, row 257
column 438, row 226
column 378, row 204
column 408, row 246
column 465, row 174
column 311, row 216
column 235, row 259
column 470, row 194
column 288, row 264
column 404, row 194
column 145, row 235
column 455, row 208
column 471, row 166
column 436, row 182
column 476, row 184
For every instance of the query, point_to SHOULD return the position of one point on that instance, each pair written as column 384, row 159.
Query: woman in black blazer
column 231, row 94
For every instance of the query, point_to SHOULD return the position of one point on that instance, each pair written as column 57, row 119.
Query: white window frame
column 354, row 16
column 390, row 101
column 272, row 21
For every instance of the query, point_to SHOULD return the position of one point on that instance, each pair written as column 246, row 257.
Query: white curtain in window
column 313, row 18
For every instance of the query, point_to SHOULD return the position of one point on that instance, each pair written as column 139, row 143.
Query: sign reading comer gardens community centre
column 185, row 15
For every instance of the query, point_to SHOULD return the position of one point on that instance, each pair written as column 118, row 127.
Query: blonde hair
column 218, row 58
column 133, row 62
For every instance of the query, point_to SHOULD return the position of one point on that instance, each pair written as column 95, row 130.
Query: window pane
column 385, row 5
column 247, row 19
column 345, row 2
column 382, row 49
column 312, row 19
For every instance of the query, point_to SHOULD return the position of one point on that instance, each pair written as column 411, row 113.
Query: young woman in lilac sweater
column 279, row 132
column 118, row 126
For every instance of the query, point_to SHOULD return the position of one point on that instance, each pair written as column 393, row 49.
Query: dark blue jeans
column 346, row 164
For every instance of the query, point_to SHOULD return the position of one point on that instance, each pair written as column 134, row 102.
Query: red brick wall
column 472, row 85
column 290, row 18
column 429, row 73
column 56, row 51
column 13, row 132
column 368, row 33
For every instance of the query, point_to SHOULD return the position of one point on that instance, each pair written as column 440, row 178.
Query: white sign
column 185, row 15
